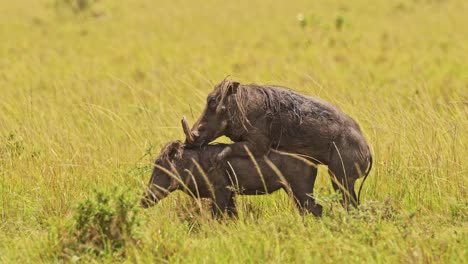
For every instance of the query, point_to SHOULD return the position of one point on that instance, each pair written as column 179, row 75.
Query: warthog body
column 265, row 117
column 176, row 169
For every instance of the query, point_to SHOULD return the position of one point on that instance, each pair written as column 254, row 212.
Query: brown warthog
column 189, row 168
column 264, row 117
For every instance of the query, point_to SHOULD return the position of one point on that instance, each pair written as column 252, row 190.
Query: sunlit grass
column 86, row 102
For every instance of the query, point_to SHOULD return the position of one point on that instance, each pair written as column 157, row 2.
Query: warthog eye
column 212, row 103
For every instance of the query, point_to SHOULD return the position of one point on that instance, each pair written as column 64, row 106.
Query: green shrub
column 104, row 224
column 11, row 146
column 77, row 6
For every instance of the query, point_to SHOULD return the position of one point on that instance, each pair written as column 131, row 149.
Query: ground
column 89, row 94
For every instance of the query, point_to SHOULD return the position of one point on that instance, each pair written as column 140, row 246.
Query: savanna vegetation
column 91, row 90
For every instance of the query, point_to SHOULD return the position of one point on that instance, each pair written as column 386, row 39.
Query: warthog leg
column 303, row 192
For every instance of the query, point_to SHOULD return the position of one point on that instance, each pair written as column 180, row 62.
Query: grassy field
column 88, row 97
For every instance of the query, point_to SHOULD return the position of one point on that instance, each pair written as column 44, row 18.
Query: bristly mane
column 174, row 152
column 240, row 112
column 171, row 149
column 270, row 100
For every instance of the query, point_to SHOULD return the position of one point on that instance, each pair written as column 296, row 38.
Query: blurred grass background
column 88, row 97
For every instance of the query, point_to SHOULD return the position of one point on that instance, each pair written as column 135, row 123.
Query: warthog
column 189, row 168
column 264, row 117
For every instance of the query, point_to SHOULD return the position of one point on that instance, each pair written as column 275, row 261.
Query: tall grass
column 88, row 100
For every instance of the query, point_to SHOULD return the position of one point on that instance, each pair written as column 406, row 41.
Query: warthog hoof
column 317, row 210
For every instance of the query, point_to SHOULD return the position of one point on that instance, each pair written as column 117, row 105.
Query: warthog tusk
column 187, row 131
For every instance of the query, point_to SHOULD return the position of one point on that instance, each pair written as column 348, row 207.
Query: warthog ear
column 232, row 88
column 175, row 149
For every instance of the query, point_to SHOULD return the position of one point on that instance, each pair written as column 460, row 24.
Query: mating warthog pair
column 264, row 118
column 189, row 168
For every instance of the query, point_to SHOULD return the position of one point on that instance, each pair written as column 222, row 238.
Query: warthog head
column 166, row 176
column 162, row 180
column 214, row 119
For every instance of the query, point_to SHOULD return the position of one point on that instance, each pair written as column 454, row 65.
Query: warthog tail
column 365, row 177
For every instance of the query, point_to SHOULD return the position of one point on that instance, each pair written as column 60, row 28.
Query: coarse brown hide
column 262, row 117
column 190, row 169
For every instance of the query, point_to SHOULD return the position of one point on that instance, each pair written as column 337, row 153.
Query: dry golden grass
column 88, row 99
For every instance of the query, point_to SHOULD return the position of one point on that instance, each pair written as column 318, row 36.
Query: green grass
column 88, row 99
